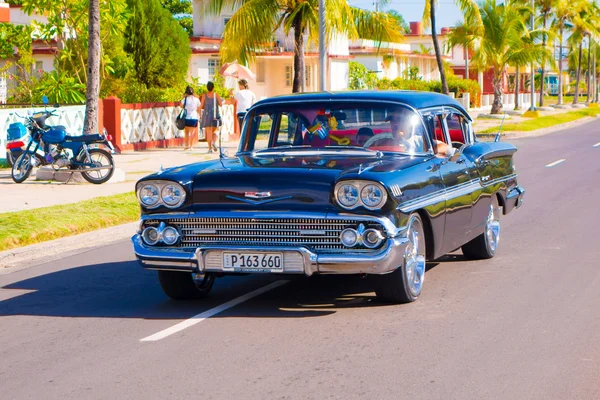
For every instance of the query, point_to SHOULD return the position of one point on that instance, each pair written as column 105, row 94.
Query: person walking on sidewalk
column 244, row 98
column 211, row 118
column 191, row 104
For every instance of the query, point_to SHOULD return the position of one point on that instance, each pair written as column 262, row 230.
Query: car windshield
column 356, row 126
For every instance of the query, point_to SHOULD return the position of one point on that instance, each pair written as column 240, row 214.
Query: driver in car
column 408, row 132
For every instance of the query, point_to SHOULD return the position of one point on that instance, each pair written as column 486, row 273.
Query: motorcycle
column 90, row 155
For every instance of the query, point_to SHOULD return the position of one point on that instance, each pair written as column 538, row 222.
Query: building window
column 213, row 67
column 38, row 70
column 289, row 75
column 226, row 20
column 260, row 71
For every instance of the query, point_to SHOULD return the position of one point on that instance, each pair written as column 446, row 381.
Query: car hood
column 286, row 181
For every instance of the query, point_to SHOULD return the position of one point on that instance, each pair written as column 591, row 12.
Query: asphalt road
column 524, row 325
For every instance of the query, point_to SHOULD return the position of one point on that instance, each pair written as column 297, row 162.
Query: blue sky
column 412, row 10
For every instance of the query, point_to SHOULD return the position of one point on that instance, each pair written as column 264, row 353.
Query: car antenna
column 497, row 139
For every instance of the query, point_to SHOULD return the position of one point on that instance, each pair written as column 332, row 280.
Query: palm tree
column 583, row 26
column 471, row 13
column 545, row 7
column 564, row 13
column 253, row 24
column 504, row 40
column 90, row 124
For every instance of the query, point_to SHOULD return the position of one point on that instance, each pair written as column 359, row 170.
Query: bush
column 456, row 85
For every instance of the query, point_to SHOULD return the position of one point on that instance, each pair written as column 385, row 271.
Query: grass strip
column 23, row 228
column 544, row 122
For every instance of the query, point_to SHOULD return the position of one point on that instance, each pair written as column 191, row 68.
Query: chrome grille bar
column 317, row 234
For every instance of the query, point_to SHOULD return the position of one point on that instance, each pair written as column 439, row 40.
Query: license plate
column 253, row 262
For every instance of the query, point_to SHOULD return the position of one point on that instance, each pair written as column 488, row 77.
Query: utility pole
column 322, row 60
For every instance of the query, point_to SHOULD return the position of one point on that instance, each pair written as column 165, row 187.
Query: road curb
column 40, row 253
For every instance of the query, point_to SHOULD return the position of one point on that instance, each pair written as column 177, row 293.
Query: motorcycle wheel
column 100, row 158
column 10, row 158
column 21, row 168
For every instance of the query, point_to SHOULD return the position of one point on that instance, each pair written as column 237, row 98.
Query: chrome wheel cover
column 492, row 228
column 23, row 162
column 414, row 257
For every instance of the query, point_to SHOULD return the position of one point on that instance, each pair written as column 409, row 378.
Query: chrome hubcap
column 23, row 165
column 414, row 257
column 492, row 229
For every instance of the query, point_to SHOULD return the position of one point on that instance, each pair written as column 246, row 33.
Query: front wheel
column 185, row 285
column 485, row 245
column 102, row 160
column 22, row 168
column 405, row 283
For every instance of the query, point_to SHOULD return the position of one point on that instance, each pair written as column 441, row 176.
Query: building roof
column 415, row 99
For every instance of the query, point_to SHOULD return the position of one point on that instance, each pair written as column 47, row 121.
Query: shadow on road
column 125, row 290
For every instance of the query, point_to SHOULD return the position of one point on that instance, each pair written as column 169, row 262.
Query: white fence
column 508, row 100
column 158, row 123
column 71, row 117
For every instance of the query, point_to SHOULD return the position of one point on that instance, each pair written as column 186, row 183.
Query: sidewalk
column 34, row 194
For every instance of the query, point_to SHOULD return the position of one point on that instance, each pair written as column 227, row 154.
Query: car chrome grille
column 319, row 235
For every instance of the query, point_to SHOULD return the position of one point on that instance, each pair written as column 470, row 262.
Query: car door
column 459, row 186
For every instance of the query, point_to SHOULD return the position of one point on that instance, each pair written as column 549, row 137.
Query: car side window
column 262, row 125
column 439, row 132
column 456, row 128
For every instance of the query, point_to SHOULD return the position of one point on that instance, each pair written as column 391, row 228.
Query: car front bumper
column 297, row 260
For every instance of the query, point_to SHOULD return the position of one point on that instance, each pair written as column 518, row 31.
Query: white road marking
column 209, row 313
column 596, row 145
column 555, row 163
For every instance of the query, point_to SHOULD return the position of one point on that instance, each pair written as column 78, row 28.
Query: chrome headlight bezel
column 160, row 186
column 359, row 186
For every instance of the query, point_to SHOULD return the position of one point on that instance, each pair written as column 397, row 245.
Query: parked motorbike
column 90, row 155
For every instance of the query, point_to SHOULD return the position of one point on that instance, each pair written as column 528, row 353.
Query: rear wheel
column 22, row 168
column 484, row 246
column 185, row 285
column 405, row 283
column 100, row 159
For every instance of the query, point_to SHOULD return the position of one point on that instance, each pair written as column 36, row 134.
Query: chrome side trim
column 440, row 195
column 447, row 194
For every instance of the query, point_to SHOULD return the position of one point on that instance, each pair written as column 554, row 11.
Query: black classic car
column 368, row 182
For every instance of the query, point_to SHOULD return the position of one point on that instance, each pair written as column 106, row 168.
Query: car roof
column 416, row 99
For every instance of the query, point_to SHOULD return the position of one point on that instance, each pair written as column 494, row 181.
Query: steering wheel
column 377, row 138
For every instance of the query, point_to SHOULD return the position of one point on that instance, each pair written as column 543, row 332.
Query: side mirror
column 45, row 100
column 56, row 105
column 453, row 154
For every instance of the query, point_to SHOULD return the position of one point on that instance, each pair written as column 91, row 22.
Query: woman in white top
column 244, row 99
column 191, row 104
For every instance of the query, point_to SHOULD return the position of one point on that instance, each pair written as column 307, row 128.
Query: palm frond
column 250, row 28
column 376, row 26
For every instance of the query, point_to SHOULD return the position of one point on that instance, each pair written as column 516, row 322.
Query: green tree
column 182, row 11
column 360, row 77
column 256, row 21
column 504, row 40
column 68, row 22
column 399, row 20
column 545, row 9
column 159, row 47
column 16, row 51
column 584, row 26
column 470, row 11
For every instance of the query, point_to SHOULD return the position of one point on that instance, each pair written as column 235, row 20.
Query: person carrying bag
column 211, row 118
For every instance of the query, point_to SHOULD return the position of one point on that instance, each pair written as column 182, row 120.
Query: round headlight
column 150, row 236
column 149, row 195
column 170, row 235
column 347, row 195
column 349, row 237
column 172, row 195
column 372, row 196
column 372, row 238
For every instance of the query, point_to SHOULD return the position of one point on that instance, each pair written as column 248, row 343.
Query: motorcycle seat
column 84, row 138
